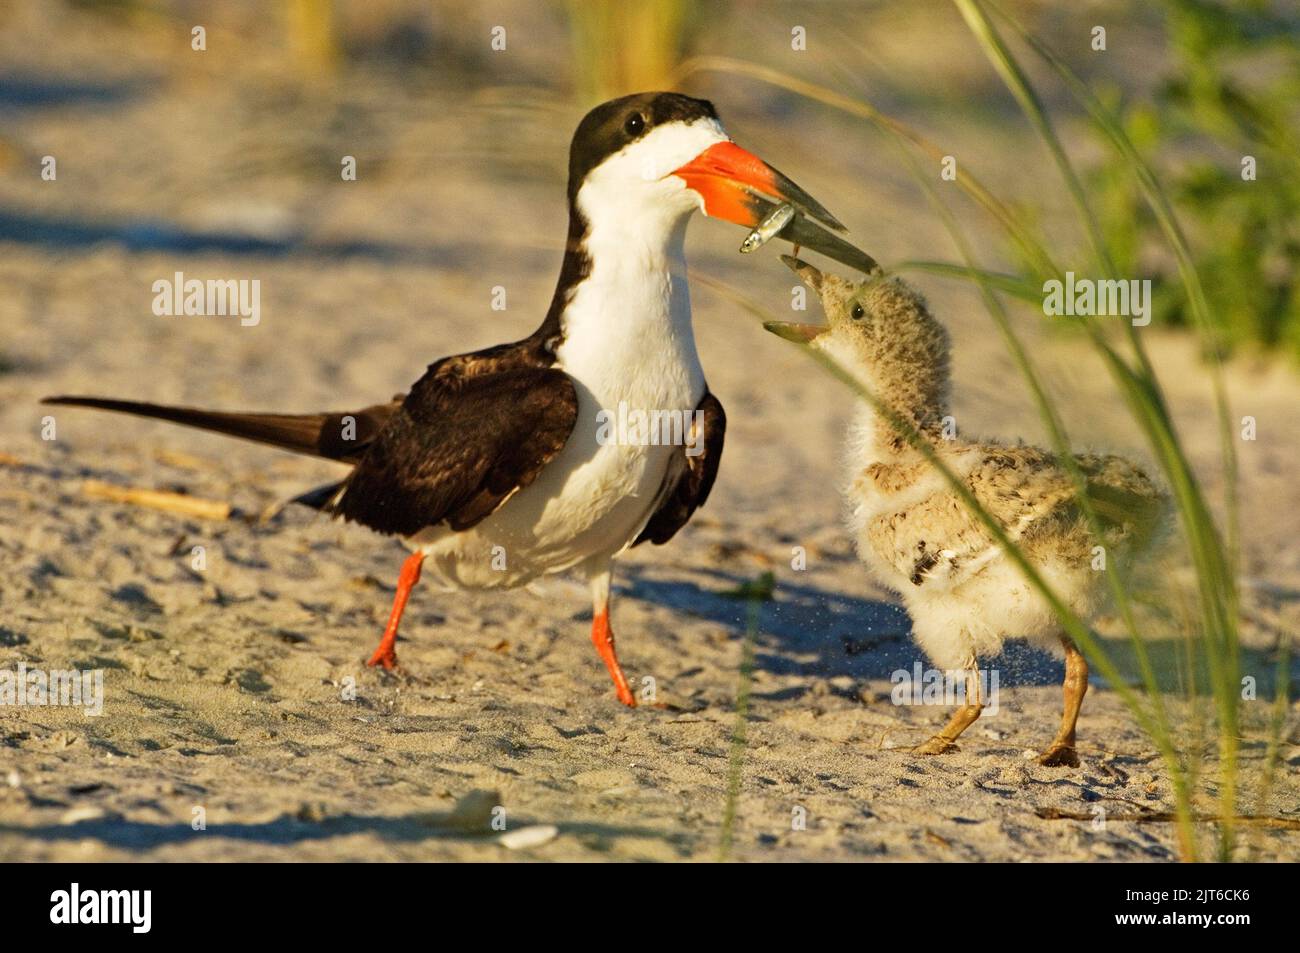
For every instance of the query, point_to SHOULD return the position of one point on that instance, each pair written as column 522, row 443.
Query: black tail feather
column 335, row 436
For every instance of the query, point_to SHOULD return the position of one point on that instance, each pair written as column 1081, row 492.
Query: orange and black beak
column 737, row 186
column 729, row 179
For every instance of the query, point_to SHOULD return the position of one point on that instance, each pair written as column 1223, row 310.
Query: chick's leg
column 961, row 719
column 1061, row 753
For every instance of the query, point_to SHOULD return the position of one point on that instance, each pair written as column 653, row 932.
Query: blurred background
column 160, row 145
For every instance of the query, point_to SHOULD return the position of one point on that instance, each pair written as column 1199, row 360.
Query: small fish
column 768, row 228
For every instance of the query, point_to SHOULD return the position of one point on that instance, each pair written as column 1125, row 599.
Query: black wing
column 691, row 478
column 475, row 429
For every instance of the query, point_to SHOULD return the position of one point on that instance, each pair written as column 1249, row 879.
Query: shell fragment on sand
column 472, row 814
column 534, row 835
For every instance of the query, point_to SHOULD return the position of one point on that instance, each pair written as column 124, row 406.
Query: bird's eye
column 635, row 123
column 858, row 313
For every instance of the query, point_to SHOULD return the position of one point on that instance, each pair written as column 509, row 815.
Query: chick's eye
column 635, row 123
column 858, row 313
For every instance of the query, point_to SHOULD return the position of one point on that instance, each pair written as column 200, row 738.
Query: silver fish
column 768, row 228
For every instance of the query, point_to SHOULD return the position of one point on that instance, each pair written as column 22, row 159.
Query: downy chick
column 965, row 596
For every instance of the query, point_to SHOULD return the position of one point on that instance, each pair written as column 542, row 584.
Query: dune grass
column 622, row 47
column 312, row 35
column 1207, row 617
column 739, row 731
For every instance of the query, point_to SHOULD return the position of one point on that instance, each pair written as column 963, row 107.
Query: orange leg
column 602, row 636
column 386, row 654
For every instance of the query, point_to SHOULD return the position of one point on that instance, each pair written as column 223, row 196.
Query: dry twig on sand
column 158, row 500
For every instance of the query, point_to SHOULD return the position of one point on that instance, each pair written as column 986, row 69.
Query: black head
column 647, row 162
column 611, row 126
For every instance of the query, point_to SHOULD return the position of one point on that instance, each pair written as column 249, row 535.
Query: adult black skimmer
column 495, row 469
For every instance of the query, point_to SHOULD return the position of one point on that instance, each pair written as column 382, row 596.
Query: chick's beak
column 800, row 333
column 806, row 272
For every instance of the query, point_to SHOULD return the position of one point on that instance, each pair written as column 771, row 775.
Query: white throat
column 627, row 327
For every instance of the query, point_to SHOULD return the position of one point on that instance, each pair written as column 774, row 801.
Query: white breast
column 627, row 339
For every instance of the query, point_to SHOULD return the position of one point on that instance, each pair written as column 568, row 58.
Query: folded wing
column 473, row 431
column 692, row 474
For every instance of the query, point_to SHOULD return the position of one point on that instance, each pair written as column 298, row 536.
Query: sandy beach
column 236, row 693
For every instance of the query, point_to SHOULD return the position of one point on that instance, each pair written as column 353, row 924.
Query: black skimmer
column 493, row 469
